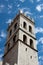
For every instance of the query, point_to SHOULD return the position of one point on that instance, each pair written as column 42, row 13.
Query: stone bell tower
column 20, row 47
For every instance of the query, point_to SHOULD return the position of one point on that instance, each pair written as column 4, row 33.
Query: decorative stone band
column 16, row 32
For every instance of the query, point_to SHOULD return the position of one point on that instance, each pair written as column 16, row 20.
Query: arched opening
column 24, row 39
column 31, row 43
column 24, row 25
column 15, row 26
column 30, row 29
column 10, row 32
column 8, row 46
column 14, row 39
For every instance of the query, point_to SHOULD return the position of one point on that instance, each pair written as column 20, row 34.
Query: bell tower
column 20, row 47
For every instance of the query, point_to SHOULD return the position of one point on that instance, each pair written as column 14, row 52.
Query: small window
column 24, row 25
column 15, row 26
column 31, row 57
column 31, row 43
column 30, row 29
column 10, row 32
column 24, row 39
column 14, row 39
column 26, row 49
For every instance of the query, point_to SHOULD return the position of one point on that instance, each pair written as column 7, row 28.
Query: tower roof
column 22, row 14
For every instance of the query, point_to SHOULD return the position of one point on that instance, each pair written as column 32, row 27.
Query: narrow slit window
column 10, row 33
column 31, row 43
column 8, row 46
column 24, row 39
column 14, row 39
column 30, row 29
column 24, row 25
column 15, row 26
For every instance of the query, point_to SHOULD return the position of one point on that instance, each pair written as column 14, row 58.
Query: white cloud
column 38, row 0
column 18, row 5
column 32, row 1
column 10, row 6
column 1, row 6
column 36, row 42
column 38, row 17
column 9, row 11
column 41, row 16
column 40, row 62
column 0, row 49
column 24, row 9
column 41, row 40
column 1, row 55
column 3, row 34
column 22, row 0
column 39, row 7
column 27, row 12
column 39, row 57
column 9, row 21
column 38, row 30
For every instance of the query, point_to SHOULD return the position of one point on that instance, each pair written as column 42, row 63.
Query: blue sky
column 32, row 8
